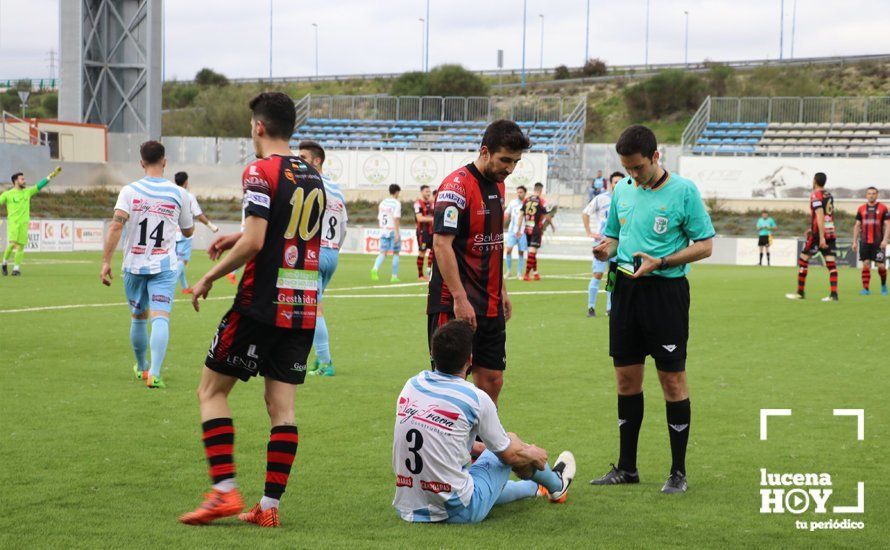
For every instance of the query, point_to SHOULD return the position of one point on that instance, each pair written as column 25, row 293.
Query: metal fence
column 833, row 110
column 435, row 108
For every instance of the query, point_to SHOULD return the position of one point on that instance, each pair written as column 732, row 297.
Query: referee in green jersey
column 657, row 226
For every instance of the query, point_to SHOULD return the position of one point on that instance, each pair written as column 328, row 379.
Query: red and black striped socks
column 280, row 454
column 832, row 275
column 420, row 265
column 866, row 277
column 882, row 272
column 531, row 264
column 219, row 443
column 803, row 267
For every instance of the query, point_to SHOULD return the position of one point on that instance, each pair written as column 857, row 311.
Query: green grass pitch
column 90, row 458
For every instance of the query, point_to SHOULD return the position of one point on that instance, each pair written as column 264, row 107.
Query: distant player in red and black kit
column 269, row 329
column 870, row 236
column 468, row 225
column 423, row 217
column 820, row 238
column 537, row 217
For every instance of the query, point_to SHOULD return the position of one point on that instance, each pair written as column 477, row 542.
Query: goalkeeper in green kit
column 18, row 216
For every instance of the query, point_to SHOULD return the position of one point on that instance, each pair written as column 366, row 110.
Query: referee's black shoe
column 616, row 476
column 675, row 484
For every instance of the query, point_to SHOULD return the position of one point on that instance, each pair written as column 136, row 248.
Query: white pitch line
column 397, row 285
column 327, row 296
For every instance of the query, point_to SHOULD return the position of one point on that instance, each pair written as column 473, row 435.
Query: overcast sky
column 366, row 36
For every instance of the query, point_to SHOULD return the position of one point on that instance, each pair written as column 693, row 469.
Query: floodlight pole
column 646, row 62
column 422, row 43
column 426, row 63
column 541, row 15
column 270, row 39
column 587, row 35
column 524, row 6
column 686, row 40
column 316, row 49
column 781, row 29
column 793, row 25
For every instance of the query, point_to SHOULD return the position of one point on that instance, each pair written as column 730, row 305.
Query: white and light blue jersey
column 196, row 211
column 598, row 210
column 514, row 215
column 157, row 208
column 388, row 212
column 438, row 416
column 334, row 220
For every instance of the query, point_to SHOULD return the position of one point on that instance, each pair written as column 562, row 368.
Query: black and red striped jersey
column 821, row 199
column 471, row 207
column 534, row 209
column 423, row 208
column 871, row 218
column 280, row 284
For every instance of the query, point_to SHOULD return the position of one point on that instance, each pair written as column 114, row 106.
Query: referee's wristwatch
column 664, row 263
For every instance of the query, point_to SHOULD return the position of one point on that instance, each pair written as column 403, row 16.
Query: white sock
column 226, row 485
column 15, row 267
column 266, row 503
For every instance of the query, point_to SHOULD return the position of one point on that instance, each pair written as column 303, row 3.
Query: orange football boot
column 263, row 518
column 232, row 278
column 216, row 505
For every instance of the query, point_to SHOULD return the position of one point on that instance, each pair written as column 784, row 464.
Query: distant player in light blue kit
column 389, row 215
column 333, row 232
column 183, row 243
column 597, row 210
column 514, row 237
column 152, row 209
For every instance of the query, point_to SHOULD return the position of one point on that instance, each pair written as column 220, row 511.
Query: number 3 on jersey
column 301, row 214
column 415, row 440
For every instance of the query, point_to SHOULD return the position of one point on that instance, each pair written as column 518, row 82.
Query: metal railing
column 567, row 148
column 801, row 110
column 436, row 108
column 697, row 125
column 17, row 130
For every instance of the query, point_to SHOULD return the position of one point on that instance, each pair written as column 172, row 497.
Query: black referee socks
column 630, row 419
column 678, row 416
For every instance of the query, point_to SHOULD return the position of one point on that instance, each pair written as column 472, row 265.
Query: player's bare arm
column 115, row 230
column 187, row 231
column 206, row 221
column 886, row 238
column 248, row 244
column 606, row 250
column 585, row 217
column 520, row 456
column 397, row 237
column 508, row 305
column 856, row 229
column 221, row 244
column 448, row 267
column 698, row 250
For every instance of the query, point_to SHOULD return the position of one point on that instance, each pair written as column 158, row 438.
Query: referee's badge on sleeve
column 661, row 225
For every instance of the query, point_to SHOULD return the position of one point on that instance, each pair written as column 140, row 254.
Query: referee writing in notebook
column 657, row 226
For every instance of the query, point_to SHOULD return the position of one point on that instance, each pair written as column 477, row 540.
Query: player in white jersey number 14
column 438, row 416
column 152, row 209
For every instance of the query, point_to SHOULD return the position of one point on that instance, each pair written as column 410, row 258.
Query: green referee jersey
column 766, row 226
column 659, row 222
column 18, row 204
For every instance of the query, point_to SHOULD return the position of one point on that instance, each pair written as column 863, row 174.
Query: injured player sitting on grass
column 438, row 416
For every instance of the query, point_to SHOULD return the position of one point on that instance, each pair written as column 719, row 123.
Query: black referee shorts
column 650, row 316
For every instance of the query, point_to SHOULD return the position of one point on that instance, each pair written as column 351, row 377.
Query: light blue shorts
column 153, row 292
column 389, row 244
column 327, row 265
column 600, row 267
column 490, row 476
column 184, row 250
column 511, row 241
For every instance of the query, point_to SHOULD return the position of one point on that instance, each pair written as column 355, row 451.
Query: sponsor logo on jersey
column 259, row 199
column 453, row 197
column 435, row 486
column 450, row 218
column 285, row 300
column 291, row 255
column 433, row 415
column 404, row 481
column 494, row 241
column 297, row 279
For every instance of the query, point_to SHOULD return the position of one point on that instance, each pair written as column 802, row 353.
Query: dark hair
column 820, row 178
column 616, row 173
column 316, row 150
column 393, row 189
column 180, row 178
column 422, row 187
column 452, row 346
column 277, row 113
column 637, row 139
column 16, row 176
column 539, row 185
column 524, row 188
column 764, row 212
column 872, row 188
column 152, row 152
column 505, row 134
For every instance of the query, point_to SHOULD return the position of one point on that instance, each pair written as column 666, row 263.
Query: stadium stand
column 554, row 124
column 855, row 127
